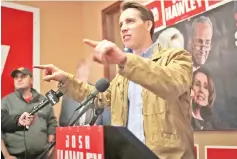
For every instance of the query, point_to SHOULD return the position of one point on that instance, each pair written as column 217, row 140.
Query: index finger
column 92, row 43
column 42, row 66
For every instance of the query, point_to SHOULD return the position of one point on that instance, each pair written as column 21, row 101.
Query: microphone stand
column 97, row 113
column 49, row 146
column 53, row 142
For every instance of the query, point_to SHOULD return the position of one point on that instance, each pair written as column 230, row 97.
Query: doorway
column 111, row 32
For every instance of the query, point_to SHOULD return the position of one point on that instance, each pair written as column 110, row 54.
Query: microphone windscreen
column 102, row 84
column 59, row 94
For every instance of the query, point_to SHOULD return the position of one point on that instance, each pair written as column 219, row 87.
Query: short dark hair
column 146, row 14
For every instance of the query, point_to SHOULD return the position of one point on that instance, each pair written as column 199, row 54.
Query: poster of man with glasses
column 210, row 38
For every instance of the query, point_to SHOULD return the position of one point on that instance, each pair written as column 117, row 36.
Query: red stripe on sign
column 195, row 150
column 213, row 2
column 176, row 10
column 156, row 9
column 222, row 153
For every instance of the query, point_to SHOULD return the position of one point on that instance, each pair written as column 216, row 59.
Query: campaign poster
column 209, row 32
column 19, row 43
column 80, row 142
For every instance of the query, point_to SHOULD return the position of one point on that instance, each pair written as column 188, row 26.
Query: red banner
column 213, row 2
column 156, row 9
column 176, row 10
column 196, row 150
column 221, row 152
column 17, row 35
column 169, row 12
column 20, row 43
column 80, row 142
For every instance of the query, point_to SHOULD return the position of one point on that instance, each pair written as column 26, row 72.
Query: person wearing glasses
column 200, row 41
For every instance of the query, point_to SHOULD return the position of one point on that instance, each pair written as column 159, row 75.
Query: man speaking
column 150, row 95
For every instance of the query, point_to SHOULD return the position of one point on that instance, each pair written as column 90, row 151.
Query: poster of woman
column 210, row 37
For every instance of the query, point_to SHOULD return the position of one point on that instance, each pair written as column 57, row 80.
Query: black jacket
column 9, row 122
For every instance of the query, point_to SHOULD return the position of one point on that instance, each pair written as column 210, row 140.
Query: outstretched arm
column 72, row 87
column 79, row 90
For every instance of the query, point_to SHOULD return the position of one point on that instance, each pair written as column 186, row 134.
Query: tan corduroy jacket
column 166, row 80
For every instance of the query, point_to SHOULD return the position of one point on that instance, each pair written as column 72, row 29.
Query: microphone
column 96, row 114
column 52, row 98
column 100, row 86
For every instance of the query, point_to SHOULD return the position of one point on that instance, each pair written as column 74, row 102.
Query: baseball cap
column 22, row 70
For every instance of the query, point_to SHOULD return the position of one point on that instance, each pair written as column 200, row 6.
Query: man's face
column 201, row 43
column 22, row 81
column 133, row 29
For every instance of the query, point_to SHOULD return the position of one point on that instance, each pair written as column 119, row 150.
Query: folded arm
column 167, row 82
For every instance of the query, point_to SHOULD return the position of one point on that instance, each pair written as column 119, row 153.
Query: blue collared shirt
column 135, row 117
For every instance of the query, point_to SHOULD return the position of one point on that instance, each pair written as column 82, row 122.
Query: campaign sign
column 80, row 142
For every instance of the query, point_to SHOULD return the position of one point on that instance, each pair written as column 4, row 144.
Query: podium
column 99, row 142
